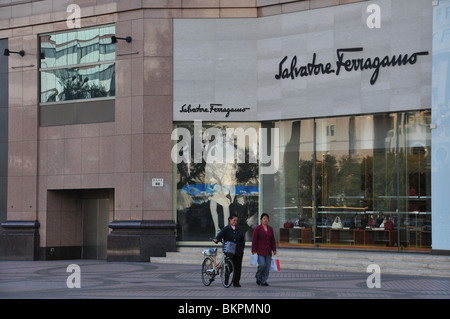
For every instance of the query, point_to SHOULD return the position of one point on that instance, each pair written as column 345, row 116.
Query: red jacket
column 263, row 242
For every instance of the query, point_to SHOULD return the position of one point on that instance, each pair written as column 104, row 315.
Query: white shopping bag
column 254, row 260
column 275, row 266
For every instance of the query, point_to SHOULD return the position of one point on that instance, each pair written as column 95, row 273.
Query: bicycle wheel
column 208, row 272
column 227, row 273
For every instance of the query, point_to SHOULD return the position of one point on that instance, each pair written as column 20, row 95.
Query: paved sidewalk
column 103, row 280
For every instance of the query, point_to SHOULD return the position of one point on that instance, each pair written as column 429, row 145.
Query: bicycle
column 211, row 267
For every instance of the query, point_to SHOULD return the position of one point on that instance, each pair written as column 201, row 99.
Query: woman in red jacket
column 263, row 244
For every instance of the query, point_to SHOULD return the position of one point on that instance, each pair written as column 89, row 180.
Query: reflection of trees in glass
column 247, row 173
column 370, row 181
column 348, row 182
column 75, row 88
column 385, row 181
column 190, row 174
column 305, row 193
column 194, row 173
column 343, row 182
column 367, row 181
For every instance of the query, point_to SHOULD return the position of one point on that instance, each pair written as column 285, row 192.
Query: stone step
column 333, row 260
column 327, row 255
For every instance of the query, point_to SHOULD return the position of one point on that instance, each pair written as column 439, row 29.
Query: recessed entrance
column 77, row 223
column 95, row 220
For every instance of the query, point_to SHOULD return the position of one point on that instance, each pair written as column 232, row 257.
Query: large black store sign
column 344, row 63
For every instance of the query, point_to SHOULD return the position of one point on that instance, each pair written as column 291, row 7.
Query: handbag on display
column 299, row 223
column 389, row 224
column 380, row 220
column 288, row 225
column 349, row 222
column 275, row 265
column 337, row 224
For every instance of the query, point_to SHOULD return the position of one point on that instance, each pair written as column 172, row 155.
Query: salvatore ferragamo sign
column 346, row 61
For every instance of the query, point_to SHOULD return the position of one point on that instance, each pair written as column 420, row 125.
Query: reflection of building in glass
column 77, row 65
column 220, row 177
column 352, row 174
column 219, row 186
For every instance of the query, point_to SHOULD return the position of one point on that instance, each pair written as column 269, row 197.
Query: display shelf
column 409, row 227
column 419, row 238
column 296, row 235
column 364, row 236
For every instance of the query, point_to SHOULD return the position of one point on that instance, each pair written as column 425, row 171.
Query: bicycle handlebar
column 216, row 241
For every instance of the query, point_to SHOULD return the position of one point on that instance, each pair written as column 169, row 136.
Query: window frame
column 78, row 66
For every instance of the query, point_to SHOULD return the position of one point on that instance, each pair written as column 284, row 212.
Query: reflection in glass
column 220, row 176
column 415, row 178
column 288, row 196
column 77, row 47
column 355, row 181
column 92, row 81
column 211, row 189
column 77, row 65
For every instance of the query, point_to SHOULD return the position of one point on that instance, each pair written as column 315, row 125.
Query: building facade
column 129, row 128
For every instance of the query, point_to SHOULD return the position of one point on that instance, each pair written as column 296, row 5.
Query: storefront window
column 356, row 174
column 356, row 181
column 220, row 178
column 288, row 195
column 351, row 181
column 415, row 179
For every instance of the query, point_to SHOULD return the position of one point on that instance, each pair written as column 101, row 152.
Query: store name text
column 221, row 146
column 343, row 63
column 212, row 108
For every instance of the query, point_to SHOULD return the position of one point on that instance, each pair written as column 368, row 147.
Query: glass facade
column 77, row 65
column 350, row 181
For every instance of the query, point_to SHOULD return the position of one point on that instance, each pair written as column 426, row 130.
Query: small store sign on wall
column 158, row 182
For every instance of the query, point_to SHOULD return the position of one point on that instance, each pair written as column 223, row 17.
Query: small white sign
column 157, row 182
